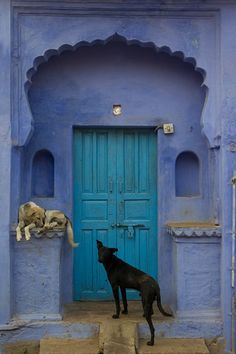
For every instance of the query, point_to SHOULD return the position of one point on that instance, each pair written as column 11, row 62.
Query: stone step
column 118, row 337
column 112, row 345
column 26, row 347
column 174, row 346
column 54, row 345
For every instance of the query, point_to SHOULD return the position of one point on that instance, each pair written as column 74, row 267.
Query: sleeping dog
column 32, row 216
column 122, row 275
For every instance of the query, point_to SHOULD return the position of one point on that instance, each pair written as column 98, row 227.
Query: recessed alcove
column 42, row 184
column 187, row 175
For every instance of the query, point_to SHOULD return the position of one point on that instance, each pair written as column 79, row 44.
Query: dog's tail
column 70, row 234
column 159, row 305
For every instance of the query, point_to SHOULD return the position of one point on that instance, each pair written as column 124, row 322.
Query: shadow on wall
column 82, row 86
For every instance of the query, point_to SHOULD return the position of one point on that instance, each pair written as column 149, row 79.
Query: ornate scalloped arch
column 114, row 38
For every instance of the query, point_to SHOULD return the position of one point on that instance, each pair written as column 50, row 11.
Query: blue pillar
column 5, row 158
column 228, row 154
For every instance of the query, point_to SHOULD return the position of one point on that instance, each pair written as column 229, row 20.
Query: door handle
column 130, row 228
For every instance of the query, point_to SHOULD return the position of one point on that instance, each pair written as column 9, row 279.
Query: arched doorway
column 77, row 90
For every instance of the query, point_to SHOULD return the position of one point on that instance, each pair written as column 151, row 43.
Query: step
column 117, row 337
column 174, row 346
column 54, row 345
column 29, row 347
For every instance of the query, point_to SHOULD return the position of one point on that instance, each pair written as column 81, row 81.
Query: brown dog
column 32, row 216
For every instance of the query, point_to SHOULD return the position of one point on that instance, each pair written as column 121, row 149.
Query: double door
column 115, row 201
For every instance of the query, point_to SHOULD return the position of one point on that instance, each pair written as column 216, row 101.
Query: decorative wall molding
column 159, row 4
column 56, row 233
column 193, row 230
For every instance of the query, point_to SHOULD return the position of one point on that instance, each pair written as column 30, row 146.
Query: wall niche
column 42, row 184
column 187, row 175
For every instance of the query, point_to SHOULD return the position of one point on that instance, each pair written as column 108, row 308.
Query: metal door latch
column 129, row 227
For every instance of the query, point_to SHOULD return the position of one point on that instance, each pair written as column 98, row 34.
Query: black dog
column 123, row 275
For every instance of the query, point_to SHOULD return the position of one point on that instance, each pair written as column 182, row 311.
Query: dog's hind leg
column 148, row 316
column 148, row 296
column 144, row 309
column 124, row 299
column 115, row 290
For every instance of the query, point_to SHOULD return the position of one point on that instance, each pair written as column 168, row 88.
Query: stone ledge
column 55, row 233
column 193, row 229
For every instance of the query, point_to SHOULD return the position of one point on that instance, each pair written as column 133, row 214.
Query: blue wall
column 5, row 161
column 79, row 88
column 155, row 74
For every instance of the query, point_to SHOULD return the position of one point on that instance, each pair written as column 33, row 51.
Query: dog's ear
column 27, row 206
column 113, row 250
column 99, row 244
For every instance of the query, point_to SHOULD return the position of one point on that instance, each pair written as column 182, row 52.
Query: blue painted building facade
column 64, row 67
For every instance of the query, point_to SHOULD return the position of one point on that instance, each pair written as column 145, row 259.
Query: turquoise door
column 115, row 201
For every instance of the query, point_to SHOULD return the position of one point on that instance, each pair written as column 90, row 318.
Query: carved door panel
column 115, row 201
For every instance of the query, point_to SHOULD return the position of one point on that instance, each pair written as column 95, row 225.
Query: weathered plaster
column 191, row 328
column 197, row 293
column 5, row 161
column 35, row 330
column 37, row 272
column 228, row 157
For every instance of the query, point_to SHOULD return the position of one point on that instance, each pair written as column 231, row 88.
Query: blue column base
column 37, row 277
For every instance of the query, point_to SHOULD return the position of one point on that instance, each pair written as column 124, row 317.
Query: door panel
column 115, row 202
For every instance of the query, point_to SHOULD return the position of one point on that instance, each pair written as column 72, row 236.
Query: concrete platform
column 98, row 312
column 174, row 346
column 53, row 345
column 22, row 347
column 68, row 346
column 121, row 336
column 88, row 328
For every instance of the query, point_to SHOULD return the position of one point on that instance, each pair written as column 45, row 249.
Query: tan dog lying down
column 33, row 216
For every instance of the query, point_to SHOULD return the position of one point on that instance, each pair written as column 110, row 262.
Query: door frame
column 123, row 127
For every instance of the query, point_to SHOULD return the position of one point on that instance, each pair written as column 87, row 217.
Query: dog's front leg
column 42, row 230
column 27, row 231
column 115, row 290
column 47, row 227
column 124, row 299
column 18, row 230
column 52, row 225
